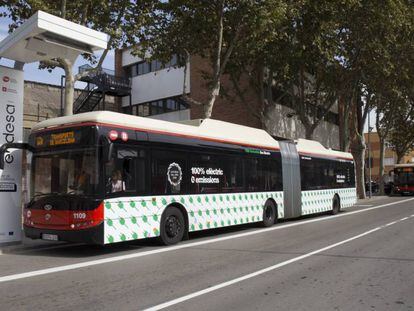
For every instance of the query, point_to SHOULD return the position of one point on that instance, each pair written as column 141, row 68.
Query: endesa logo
column 6, row 79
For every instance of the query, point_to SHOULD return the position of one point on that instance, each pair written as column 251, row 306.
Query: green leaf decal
column 122, row 221
column 222, row 223
column 200, row 226
column 135, row 236
column 155, row 217
column 121, row 205
column 192, row 227
column 229, row 222
column 145, row 219
column 122, row 237
column 143, row 203
column 164, row 201
column 207, row 212
column 215, row 224
column 198, row 199
column 200, row 212
column 208, row 224
column 108, row 205
column 109, row 222
column 182, row 200
column 214, row 198
column 221, row 198
column 146, row 233
column 222, row 210
column 206, row 199
column 156, row 231
column 214, row 211
column 134, row 220
column 132, row 204
column 110, row 239
column 192, row 213
column 154, row 202
column 191, row 199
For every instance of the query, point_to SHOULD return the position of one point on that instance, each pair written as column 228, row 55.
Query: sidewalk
column 29, row 244
column 372, row 200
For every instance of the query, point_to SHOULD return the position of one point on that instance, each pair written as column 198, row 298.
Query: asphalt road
column 361, row 259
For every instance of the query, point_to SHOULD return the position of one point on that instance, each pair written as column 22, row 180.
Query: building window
column 156, row 107
column 145, row 67
column 389, row 161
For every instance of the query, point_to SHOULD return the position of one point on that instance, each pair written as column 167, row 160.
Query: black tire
column 269, row 214
column 172, row 226
column 336, row 205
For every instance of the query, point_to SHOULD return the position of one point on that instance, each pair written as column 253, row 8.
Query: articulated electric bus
column 104, row 177
column 403, row 179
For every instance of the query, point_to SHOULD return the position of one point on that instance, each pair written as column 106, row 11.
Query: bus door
column 291, row 179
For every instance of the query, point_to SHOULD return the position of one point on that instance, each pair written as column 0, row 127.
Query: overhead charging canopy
column 44, row 36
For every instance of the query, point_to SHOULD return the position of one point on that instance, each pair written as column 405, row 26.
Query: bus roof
column 209, row 129
column 404, row 165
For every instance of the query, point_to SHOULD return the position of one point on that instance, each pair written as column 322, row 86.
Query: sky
column 31, row 71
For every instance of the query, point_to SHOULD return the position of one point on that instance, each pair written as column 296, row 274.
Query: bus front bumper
column 92, row 235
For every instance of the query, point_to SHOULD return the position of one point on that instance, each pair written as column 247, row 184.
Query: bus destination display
column 58, row 139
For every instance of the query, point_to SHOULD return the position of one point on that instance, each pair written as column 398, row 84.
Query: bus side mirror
column 108, row 148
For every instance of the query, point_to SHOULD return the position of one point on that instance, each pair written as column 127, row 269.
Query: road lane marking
column 362, row 205
column 265, row 270
column 85, row 264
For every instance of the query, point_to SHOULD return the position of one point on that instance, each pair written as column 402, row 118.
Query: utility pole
column 369, row 154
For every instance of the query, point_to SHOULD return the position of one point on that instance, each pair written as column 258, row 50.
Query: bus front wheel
column 269, row 214
column 336, row 205
column 172, row 226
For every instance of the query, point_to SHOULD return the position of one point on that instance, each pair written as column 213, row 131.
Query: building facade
column 157, row 90
column 390, row 157
column 43, row 101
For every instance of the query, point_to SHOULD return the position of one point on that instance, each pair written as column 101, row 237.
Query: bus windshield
column 402, row 177
column 65, row 172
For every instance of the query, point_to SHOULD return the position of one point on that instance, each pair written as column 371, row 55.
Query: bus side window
column 168, row 172
column 126, row 171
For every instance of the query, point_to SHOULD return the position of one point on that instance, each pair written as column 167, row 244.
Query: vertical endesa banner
column 11, row 130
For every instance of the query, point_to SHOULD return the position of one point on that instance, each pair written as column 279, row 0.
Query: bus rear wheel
column 269, row 214
column 172, row 226
column 336, row 205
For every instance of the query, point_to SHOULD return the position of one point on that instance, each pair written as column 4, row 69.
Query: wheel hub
column 172, row 226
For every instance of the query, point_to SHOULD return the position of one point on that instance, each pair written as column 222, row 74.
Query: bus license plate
column 49, row 237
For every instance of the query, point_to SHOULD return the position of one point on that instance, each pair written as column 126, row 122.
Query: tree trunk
column 208, row 107
column 381, row 167
column 309, row 131
column 358, row 152
column 399, row 158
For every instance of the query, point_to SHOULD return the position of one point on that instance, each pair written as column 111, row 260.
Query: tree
column 213, row 30
column 401, row 135
column 105, row 16
column 373, row 45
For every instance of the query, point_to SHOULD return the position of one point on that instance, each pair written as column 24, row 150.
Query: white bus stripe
column 262, row 271
column 29, row 274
